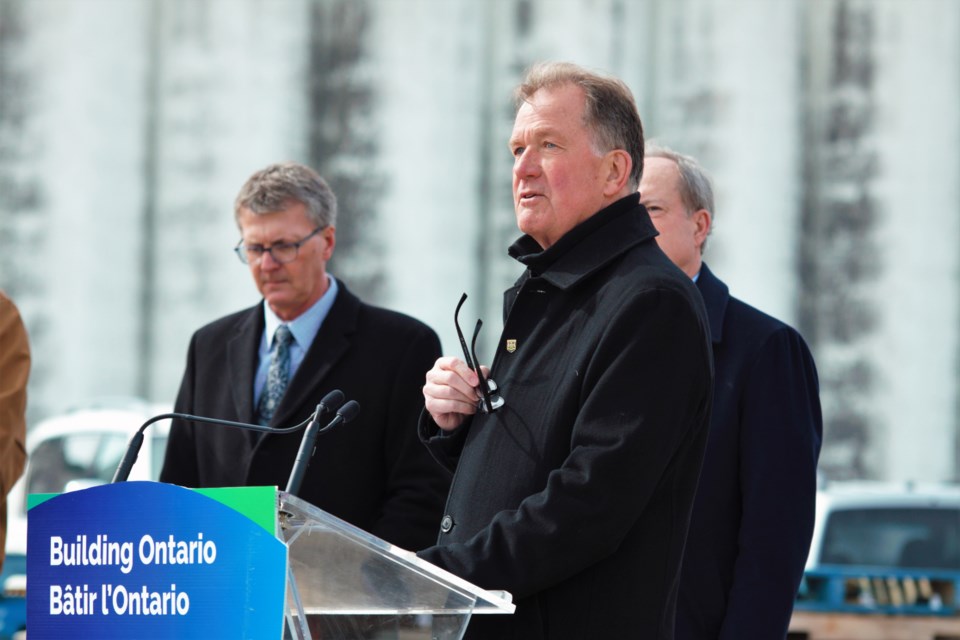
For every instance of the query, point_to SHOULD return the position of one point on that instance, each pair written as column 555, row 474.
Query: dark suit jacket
column 754, row 510
column 575, row 496
column 372, row 472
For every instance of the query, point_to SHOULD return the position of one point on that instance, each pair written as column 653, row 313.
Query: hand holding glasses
column 491, row 400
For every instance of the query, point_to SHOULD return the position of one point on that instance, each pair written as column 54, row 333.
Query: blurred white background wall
column 830, row 127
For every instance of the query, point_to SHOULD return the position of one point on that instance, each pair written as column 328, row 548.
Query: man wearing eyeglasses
column 272, row 364
column 575, row 470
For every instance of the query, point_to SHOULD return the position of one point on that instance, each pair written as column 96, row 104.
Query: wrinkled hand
column 451, row 392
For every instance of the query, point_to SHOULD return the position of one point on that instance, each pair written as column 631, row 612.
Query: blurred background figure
column 14, row 371
column 176, row 105
column 754, row 510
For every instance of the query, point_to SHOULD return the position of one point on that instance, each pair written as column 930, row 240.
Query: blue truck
column 884, row 564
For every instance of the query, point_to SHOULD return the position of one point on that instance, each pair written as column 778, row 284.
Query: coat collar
column 716, row 295
column 242, row 359
column 588, row 247
column 328, row 347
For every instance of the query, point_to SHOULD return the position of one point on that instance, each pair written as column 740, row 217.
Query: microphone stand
column 346, row 413
column 136, row 442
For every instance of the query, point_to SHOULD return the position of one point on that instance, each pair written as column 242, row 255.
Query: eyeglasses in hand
column 491, row 400
column 282, row 252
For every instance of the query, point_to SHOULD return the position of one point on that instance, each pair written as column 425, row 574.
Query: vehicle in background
column 76, row 450
column 13, row 600
column 884, row 564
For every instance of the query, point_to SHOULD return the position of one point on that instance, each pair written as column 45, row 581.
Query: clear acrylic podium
column 345, row 584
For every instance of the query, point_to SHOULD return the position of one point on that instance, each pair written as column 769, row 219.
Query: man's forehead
column 537, row 128
column 549, row 111
column 289, row 219
column 660, row 170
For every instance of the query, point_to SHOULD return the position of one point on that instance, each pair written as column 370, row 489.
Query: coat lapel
column 715, row 297
column 242, row 351
column 331, row 344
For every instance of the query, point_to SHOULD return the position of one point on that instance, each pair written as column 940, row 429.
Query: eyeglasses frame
column 241, row 249
column 489, row 403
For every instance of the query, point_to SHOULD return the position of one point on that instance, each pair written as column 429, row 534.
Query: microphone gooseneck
column 330, row 402
column 346, row 413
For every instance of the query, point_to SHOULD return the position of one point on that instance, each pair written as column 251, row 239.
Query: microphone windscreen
column 349, row 411
column 332, row 401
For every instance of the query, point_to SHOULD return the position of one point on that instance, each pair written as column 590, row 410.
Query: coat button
column 446, row 524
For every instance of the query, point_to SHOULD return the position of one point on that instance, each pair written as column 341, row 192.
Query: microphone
column 346, row 413
column 330, row 402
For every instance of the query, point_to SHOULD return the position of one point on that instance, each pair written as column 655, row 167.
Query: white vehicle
column 884, row 563
column 82, row 449
column 76, row 450
column 873, row 524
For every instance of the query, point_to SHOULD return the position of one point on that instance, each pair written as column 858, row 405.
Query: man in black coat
column 754, row 511
column 575, row 494
column 372, row 472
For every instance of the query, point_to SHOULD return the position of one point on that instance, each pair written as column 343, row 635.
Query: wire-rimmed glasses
column 281, row 252
column 491, row 400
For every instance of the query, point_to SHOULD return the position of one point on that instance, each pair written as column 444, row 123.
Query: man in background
column 754, row 511
column 14, row 371
column 272, row 363
column 575, row 494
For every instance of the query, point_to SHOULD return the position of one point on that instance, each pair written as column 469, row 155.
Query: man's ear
column 617, row 165
column 330, row 235
column 703, row 221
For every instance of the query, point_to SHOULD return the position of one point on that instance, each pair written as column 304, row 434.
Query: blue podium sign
column 151, row 560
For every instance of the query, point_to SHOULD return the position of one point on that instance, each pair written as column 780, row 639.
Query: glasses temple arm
column 483, row 381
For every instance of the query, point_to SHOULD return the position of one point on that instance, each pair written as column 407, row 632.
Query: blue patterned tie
column 278, row 375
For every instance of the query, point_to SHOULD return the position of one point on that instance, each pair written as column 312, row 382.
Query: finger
column 448, row 387
column 454, row 373
column 460, row 367
column 447, row 406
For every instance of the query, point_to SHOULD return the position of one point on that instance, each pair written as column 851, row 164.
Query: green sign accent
column 33, row 499
column 257, row 503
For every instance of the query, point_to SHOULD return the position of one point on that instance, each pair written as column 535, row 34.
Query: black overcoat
column 575, row 496
column 754, row 512
column 372, row 472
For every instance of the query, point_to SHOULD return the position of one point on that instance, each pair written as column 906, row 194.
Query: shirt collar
column 304, row 327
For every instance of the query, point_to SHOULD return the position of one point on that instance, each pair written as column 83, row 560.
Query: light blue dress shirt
column 304, row 329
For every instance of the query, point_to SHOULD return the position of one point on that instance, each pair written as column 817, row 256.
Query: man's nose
column 268, row 262
column 527, row 163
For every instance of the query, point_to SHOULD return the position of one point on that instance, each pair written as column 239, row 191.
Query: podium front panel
column 346, row 583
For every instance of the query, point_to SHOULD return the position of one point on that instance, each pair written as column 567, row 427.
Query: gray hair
column 610, row 112
column 696, row 191
column 275, row 187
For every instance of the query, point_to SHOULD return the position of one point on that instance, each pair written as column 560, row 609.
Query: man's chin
column 528, row 220
column 530, row 225
column 276, row 302
column 274, row 290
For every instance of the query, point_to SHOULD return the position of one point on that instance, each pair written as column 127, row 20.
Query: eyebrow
column 537, row 132
column 270, row 244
